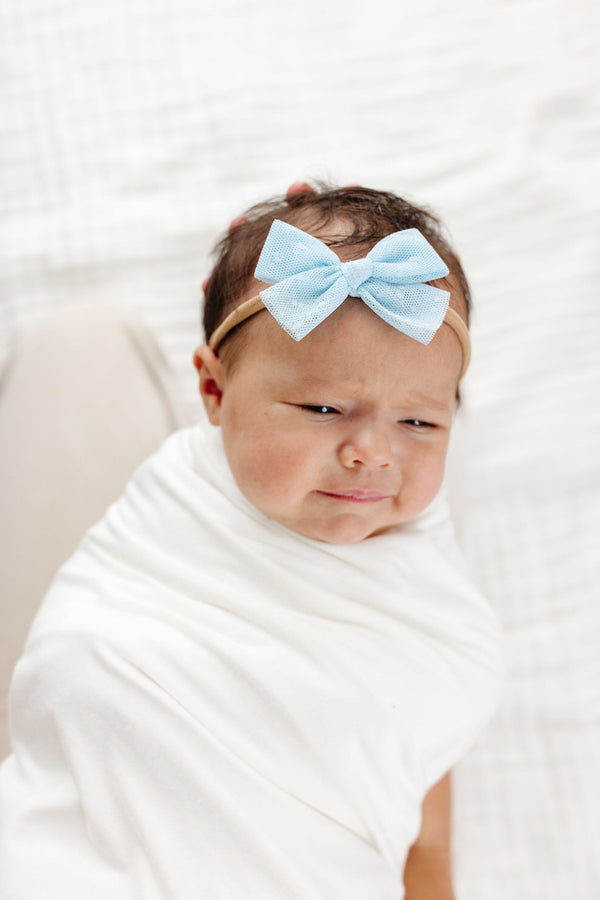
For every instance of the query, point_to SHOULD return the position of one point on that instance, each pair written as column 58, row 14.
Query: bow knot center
column 356, row 271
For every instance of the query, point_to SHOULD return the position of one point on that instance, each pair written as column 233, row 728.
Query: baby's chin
column 343, row 529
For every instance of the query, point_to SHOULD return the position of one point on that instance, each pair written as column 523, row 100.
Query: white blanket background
column 132, row 130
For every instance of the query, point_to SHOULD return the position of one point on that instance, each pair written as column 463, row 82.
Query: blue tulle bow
column 308, row 281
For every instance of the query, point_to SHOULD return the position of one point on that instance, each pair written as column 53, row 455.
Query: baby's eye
column 323, row 410
column 418, row 423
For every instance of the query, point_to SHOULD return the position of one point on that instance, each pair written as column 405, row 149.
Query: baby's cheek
column 424, row 484
column 274, row 472
column 431, row 480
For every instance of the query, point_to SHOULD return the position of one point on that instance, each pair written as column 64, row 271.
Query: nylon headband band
column 254, row 305
column 246, row 309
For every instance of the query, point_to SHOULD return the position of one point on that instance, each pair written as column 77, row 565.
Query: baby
column 254, row 675
column 342, row 433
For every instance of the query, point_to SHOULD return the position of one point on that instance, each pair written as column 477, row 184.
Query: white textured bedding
column 130, row 131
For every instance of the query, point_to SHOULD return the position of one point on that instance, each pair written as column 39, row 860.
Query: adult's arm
column 428, row 871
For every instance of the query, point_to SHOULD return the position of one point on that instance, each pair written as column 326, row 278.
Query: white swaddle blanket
column 210, row 705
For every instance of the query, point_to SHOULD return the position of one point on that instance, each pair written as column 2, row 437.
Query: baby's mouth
column 355, row 496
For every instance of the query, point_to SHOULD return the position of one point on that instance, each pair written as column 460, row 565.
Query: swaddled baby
column 254, row 675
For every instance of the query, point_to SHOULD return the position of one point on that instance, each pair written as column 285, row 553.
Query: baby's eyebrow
column 315, row 384
column 429, row 402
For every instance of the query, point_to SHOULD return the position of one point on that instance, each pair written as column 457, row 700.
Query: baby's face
column 341, row 435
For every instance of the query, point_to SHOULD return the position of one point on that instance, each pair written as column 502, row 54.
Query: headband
column 308, row 282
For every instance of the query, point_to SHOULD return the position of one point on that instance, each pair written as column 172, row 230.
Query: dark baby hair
column 371, row 215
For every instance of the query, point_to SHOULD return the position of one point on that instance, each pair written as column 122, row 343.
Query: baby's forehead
column 354, row 350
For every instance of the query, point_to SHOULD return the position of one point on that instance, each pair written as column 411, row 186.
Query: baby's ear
column 211, row 383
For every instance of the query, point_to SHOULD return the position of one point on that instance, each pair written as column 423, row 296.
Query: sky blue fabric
column 308, row 281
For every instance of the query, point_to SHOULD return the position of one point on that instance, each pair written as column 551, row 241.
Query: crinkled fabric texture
column 211, row 705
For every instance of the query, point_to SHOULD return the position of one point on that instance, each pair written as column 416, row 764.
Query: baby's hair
column 371, row 215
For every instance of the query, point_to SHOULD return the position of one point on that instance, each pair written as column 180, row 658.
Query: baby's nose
column 369, row 445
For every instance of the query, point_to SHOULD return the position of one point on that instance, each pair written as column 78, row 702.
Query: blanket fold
column 210, row 705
